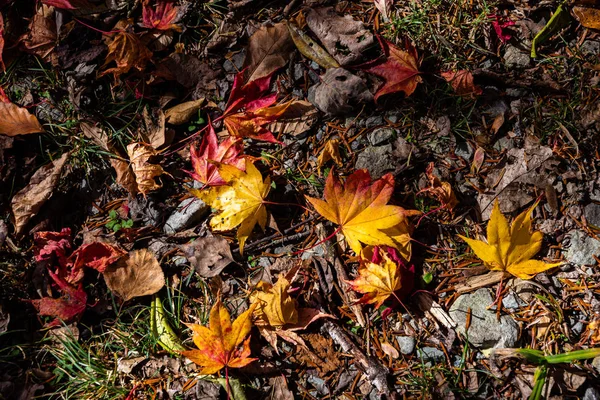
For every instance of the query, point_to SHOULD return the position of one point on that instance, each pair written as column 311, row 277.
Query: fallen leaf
column 53, row 247
column 17, row 120
column 125, row 175
column 345, row 38
column 274, row 306
column 95, row 255
column 241, row 201
column 69, row 4
column 510, row 248
column 269, row 49
column 210, row 151
column 2, row 66
column 381, row 277
column 383, row 6
column 399, row 69
column 162, row 16
column 137, row 274
column 390, row 350
column 154, row 132
column 96, row 134
column 297, row 117
column 222, row 344
column 587, row 16
column 442, row 191
column 143, row 169
column 28, row 201
column 331, row 151
column 462, row 83
column 182, row 113
column 340, row 92
column 67, row 308
column 126, row 51
column 310, row 49
column 499, row 25
column 208, row 255
column 41, row 37
column 360, row 207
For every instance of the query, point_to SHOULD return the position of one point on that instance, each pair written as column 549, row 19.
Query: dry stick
column 376, row 372
column 273, row 236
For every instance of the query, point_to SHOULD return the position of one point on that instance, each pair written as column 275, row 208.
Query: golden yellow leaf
column 510, row 248
column 144, row 171
column 17, row 120
column 219, row 344
column 274, row 306
column 331, row 151
column 240, row 201
column 360, row 207
column 377, row 281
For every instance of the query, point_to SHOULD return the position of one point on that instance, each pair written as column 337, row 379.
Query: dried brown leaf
column 125, row 175
column 208, row 255
column 587, row 16
column 28, row 201
column 128, row 52
column 16, row 120
column 269, row 49
column 138, row 274
column 182, row 113
column 41, row 36
column 331, row 151
column 297, row 118
column 143, row 169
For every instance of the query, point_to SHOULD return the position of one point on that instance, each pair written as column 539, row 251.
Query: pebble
column 376, row 159
column 485, row 330
column 406, row 344
column 582, row 249
column 464, row 150
column 381, row 136
column 431, row 354
column 592, row 214
column 514, row 58
column 187, row 213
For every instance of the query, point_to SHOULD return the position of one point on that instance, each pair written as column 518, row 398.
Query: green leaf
column 559, row 19
column 428, row 277
column 128, row 223
column 111, row 224
column 161, row 329
column 112, row 214
column 573, row 356
column 539, row 379
column 116, row 227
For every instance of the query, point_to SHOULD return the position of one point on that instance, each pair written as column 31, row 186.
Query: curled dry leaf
column 587, row 16
column 240, row 202
column 17, row 120
column 137, row 274
column 128, row 52
column 28, row 201
column 510, row 248
column 331, row 151
column 274, row 306
column 269, row 49
column 208, row 255
column 400, row 69
column 154, row 132
column 360, row 208
column 144, row 171
column 222, row 344
column 442, row 191
column 462, row 82
column 96, row 134
column 182, row 113
column 96, row 255
column 384, row 6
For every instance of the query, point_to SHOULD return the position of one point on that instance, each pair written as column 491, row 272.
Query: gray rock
column 406, row 344
column 582, row 249
column 514, row 58
column 339, row 92
column 402, row 149
column 377, row 160
column 485, row 330
column 590, row 47
column 187, row 213
column 512, row 302
column 464, row 150
column 381, row 136
column 592, row 214
column 596, row 363
column 372, row 122
column 431, row 354
column 591, row 393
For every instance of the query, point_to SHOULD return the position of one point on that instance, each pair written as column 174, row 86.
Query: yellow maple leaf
column 360, row 207
column 240, row 201
column 222, row 344
column 377, row 281
column 274, row 306
column 510, row 248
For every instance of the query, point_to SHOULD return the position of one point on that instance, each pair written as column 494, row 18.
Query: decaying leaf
column 210, row 151
column 587, row 16
column 510, row 248
column 127, row 51
column 154, row 132
column 360, row 207
column 2, row 66
column 331, row 151
column 297, row 117
column 274, row 306
column 68, row 307
column 269, row 49
column 208, row 255
column 53, row 247
column 442, row 191
column 40, row 38
column 125, row 175
column 137, row 274
column 17, row 120
column 143, row 169
column 310, row 49
column 382, row 276
column 28, row 201
column 222, row 344
column 97, row 134
column 182, row 113
column 462, row 82
column 162, row 16
column 399, row 69
column 240, row 201
column 384, row 6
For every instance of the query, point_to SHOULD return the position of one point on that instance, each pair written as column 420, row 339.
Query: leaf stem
column 318, row 243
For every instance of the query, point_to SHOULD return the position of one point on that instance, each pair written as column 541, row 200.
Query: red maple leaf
column 95, row 255
column 162, row 16
column 499, row 24
column 53, row 247
column 249, row 109
column 67, row 308
column 400, row 69
column 210, row 151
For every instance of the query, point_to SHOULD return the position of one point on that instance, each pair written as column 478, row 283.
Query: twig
column 272, row 237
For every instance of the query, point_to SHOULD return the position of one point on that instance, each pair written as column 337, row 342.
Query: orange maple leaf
column 462, row 82
column 360, row 208
column 219, row 344
column 400, row 69
column 127, row 51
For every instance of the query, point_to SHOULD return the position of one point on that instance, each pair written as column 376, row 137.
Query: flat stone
column 582, row 249
column 464, row 150
column 596, row 363
column 187, row 213
column 592, row 214
column 381, row 136
column 591, row 393
column 485, row 330
column 515, row 58
column 431, row 354
column 376, row 159
column 406, row 344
